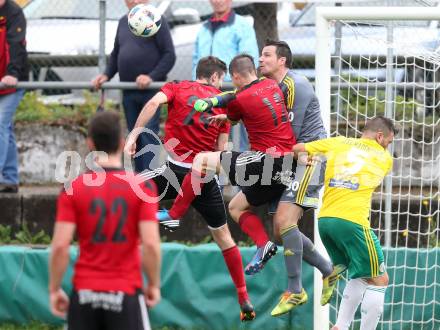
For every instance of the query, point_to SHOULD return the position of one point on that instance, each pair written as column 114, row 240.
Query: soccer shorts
column 352, row 245
column 262, row 178
column 209, row 203
column 91, row 310
column 305, row 187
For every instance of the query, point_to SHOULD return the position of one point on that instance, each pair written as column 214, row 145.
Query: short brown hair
column 242, row 64
column 282, row 49
column 381, row 124
column 105, row 131
column 209, row 65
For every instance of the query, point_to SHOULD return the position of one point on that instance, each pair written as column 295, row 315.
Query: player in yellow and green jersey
column 355, row 168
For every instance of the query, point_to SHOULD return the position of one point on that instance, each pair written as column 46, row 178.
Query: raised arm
column 145, row 116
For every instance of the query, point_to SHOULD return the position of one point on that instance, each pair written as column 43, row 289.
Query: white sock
column 372, row 307
column 352, row 297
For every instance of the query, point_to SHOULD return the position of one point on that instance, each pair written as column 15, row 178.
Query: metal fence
column 67, row 40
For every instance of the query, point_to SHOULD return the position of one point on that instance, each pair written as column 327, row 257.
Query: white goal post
column 325, row 17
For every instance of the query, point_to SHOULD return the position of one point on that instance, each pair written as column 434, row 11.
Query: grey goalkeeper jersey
column 303, row 104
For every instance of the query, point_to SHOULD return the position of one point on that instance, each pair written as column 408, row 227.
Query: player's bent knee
column 222, row 236
column 234, row 211
column 287, row 215
column 281, row 221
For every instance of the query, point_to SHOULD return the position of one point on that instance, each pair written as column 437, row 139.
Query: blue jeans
column 133, row 102
column 8, row 147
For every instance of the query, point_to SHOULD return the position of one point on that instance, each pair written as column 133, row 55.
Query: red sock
column 186, row 194
column 235, row 265
column 253, row 227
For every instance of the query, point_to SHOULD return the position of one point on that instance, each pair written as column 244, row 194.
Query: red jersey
column 189, row 127
column 107, row 220
column 260, row 105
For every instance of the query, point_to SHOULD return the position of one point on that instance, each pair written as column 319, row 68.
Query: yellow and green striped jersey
column 355, row 168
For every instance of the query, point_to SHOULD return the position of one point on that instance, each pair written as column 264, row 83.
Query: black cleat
column 247, row 312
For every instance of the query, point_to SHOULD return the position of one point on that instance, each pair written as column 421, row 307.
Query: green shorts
column 352, row 245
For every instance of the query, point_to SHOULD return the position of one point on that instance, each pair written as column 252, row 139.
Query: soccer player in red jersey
column 112, row 212
column 187, row 133
column 259, row 103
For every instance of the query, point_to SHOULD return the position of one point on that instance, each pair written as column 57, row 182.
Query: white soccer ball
column 144, row 20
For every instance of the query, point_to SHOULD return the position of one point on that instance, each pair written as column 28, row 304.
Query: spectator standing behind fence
column 142, row 60
column 225, row 35
column 13, row 68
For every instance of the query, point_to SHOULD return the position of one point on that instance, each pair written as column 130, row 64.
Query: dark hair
column 282, row 50
column 242, row 64
column 381, row 124
column 105, row 131
column 209, row 65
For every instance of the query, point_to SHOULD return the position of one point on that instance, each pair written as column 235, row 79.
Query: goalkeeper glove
column 202, row 105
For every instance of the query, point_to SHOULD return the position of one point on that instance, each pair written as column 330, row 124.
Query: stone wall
column 39, row 147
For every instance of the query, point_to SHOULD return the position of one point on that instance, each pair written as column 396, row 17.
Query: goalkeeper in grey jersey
column 302, row 191
column 305, row 116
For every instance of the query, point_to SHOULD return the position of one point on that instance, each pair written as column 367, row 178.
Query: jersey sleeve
column 148, row 209
column 322, row 146
column 234, row 111
column 223, row 99
column 65, row 208
column 288, row 88
column 169, row 89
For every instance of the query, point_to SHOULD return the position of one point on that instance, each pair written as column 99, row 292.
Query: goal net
column 385, row 62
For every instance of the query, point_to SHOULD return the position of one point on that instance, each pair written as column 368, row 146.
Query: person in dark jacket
column 142, row 60
column 13, row 68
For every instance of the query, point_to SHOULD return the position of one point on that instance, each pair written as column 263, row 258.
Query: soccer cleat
column 260, row 258
column 247, row 312
column 329, row 283
column 289, row 301
column 165, row 220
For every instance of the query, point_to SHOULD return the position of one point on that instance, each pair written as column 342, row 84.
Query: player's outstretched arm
column 151, row 260
column 300, row 153
column 298, row 148
column 306, row 154
column 59, row 260
column 220, row 119
column 145, row 116
column 218, row 101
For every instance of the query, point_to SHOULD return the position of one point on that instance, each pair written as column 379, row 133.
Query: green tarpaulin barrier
column 197, row 292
